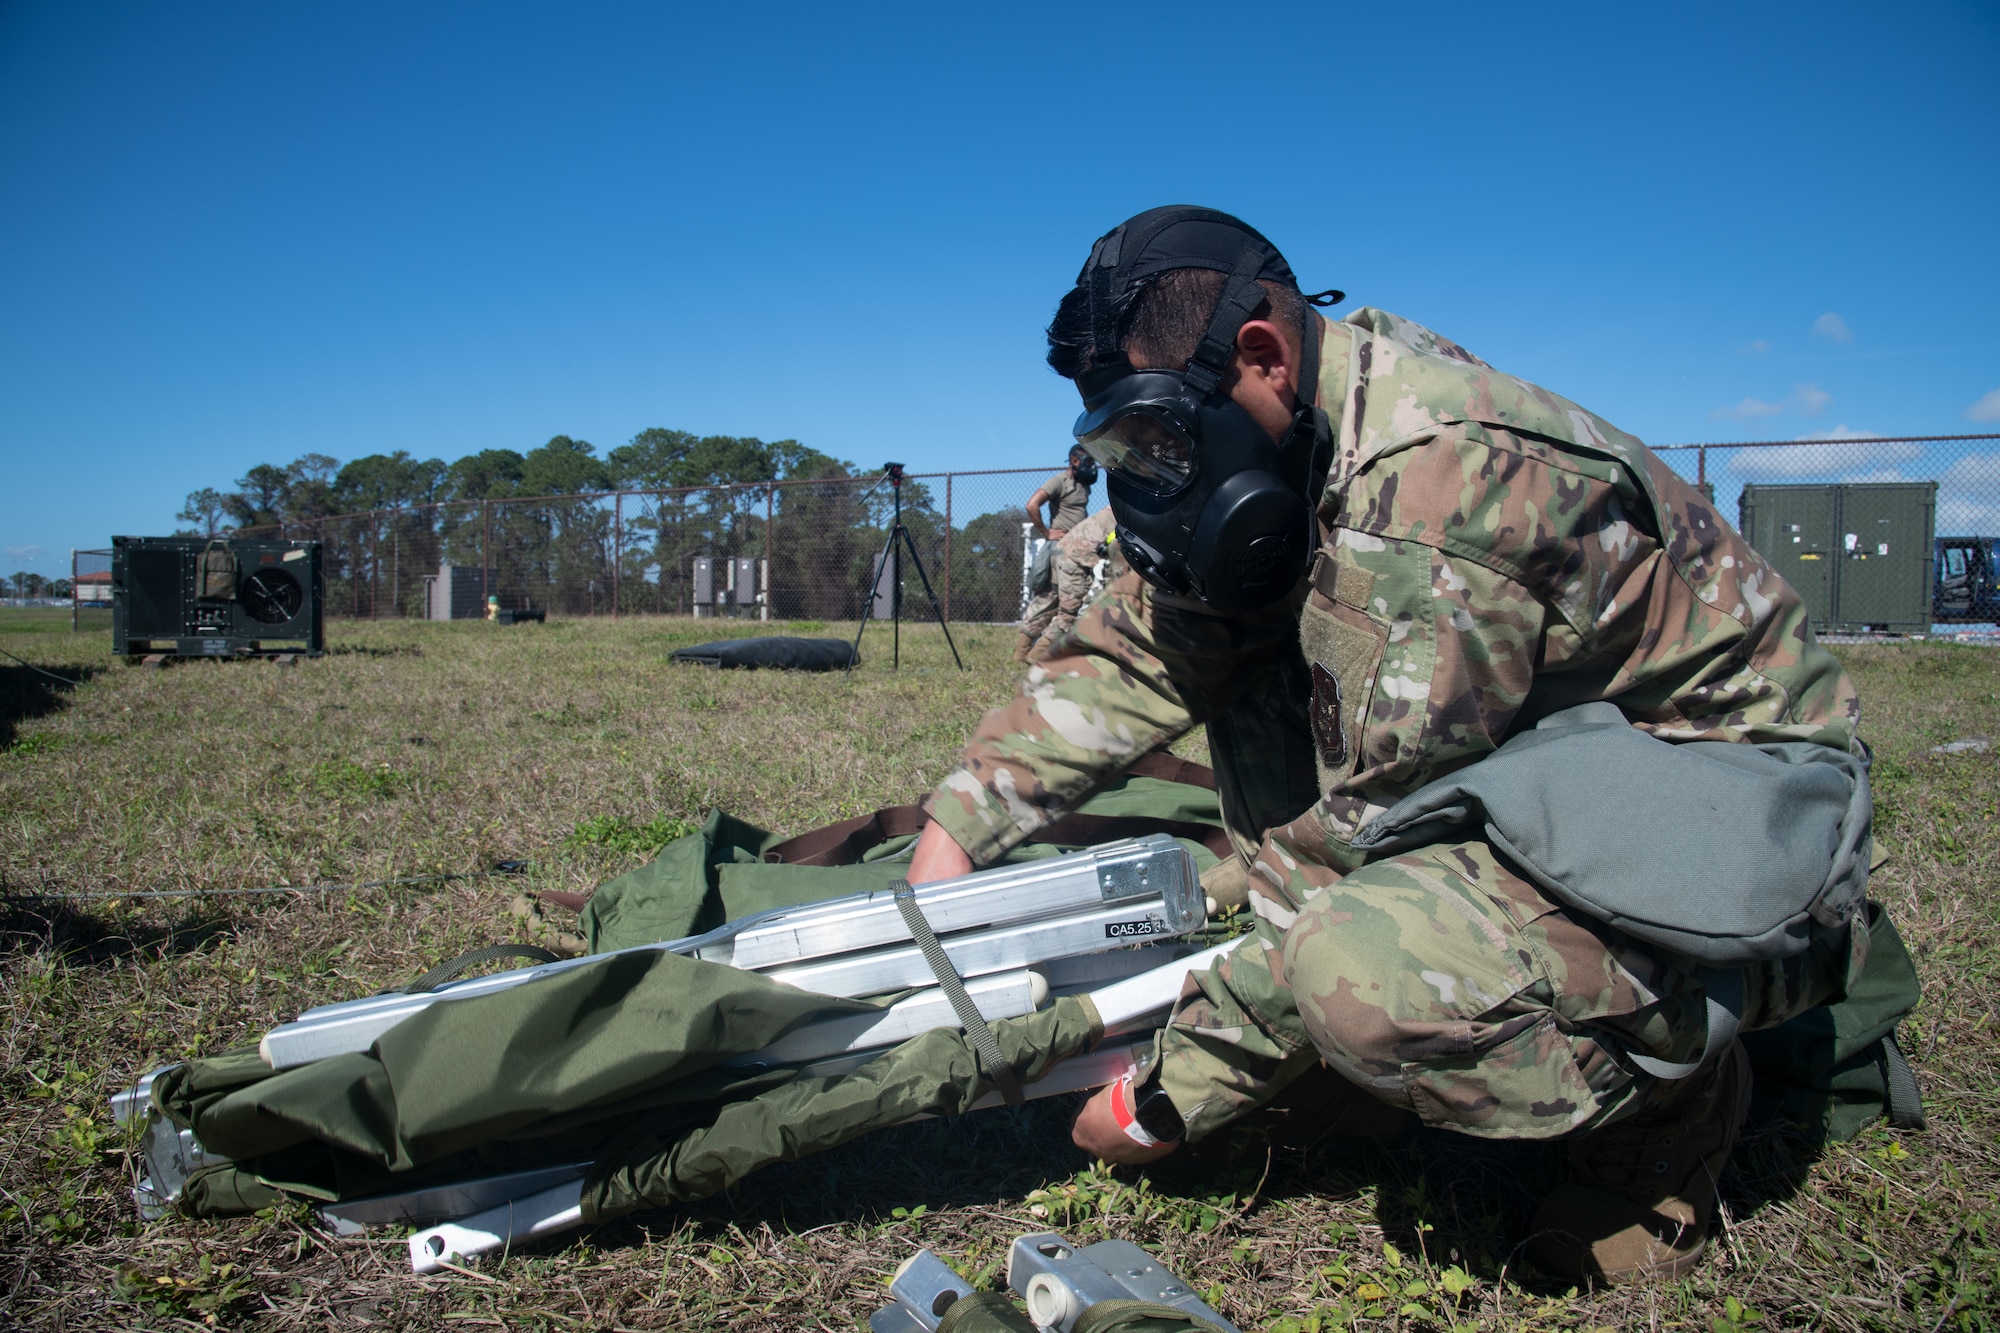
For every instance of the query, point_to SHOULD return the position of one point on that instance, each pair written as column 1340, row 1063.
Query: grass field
column 417, row 749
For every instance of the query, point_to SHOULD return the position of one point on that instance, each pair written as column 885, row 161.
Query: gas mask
column 1085, row 471
column 1207, row 504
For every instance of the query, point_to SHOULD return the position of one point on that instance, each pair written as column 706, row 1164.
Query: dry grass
column 418, row 749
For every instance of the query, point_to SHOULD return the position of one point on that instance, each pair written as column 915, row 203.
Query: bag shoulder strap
column 1723, row 989
column 1906, row 1100
column 444, row 972
column 844, row 843
column 969, row 1017
column 1172, row 768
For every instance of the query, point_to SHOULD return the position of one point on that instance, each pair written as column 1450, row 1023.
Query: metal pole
column 947, row 546
column 1701, row 467
column 487, row 577
column 72, row 590
column 617, row 547
column 896, row 584
column 770, row 512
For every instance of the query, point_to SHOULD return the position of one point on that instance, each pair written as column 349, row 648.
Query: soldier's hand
column 1096, row 1131
column 936, row 856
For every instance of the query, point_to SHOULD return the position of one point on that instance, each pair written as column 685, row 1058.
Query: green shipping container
column 1859, row 554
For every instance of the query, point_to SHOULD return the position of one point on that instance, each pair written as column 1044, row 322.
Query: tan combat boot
column 1641, row 1197
column 1025, row 643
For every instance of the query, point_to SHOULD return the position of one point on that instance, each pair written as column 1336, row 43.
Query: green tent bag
column 1835, row 1070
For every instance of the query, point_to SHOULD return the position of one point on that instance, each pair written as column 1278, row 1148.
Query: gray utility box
column 1860, row 554
column 886, row 572
column 736, row 586
column 456, row 592
column 215, row 597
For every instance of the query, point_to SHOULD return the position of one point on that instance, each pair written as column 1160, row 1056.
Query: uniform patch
column 1326, row 718
column 1343, row 646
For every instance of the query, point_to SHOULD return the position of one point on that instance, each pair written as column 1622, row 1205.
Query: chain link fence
column 89, row 588
column 1877, row 533
column 811, row 546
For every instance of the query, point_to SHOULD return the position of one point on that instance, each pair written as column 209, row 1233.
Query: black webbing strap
column 444, row 972
column 1105, row 353
column 1906, row 1102
column 1723, row 992
column 968, row 1013
column 1239, row 300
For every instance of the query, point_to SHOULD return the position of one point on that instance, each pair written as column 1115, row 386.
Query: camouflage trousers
column 1444, row 982
column 1073, row 568
column 1041, row 610
column 1072, row 590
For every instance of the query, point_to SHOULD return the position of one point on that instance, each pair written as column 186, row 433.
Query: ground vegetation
column 417, row 749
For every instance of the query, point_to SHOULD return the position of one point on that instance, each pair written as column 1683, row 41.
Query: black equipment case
column 215, row 597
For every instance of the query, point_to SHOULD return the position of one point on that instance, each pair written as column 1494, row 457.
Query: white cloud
column 1756, row 347
column 1986, row 409
column 1975, row 470
column 1810, row 399
column 1969, row 497
column 1836, row 460
column 1968, row 501
column 25, row 552
column 1748, row 410
column 1960, row 517
column 1841, row 432
column 1833, row 326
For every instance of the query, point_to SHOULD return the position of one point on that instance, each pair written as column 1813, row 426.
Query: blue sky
column 235, row 233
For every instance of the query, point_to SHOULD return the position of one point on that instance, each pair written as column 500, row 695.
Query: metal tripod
column 893, row 474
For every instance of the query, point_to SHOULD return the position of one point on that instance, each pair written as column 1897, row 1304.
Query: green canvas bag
column 1835, row 1070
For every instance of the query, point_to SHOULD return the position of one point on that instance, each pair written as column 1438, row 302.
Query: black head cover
column 1162, row 239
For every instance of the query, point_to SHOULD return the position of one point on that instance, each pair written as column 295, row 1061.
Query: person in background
column 1067, row 495
column 1075, row 569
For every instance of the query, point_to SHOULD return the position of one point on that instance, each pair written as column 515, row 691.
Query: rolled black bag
column 780, row 652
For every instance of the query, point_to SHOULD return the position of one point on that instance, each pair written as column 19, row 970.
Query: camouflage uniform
column 1075, row 569
column 1068, row 501
column 1042, row 607
column 1491, row 553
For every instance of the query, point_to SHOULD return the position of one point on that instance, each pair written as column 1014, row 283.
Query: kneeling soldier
column 1363, row 559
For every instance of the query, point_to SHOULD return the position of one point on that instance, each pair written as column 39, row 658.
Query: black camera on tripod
column 893, row 472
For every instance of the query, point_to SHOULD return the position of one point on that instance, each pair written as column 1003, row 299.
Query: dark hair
column 1077, row 453
column 1161, row 319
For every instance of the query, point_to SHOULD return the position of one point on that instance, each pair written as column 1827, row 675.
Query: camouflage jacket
column 1491, row 553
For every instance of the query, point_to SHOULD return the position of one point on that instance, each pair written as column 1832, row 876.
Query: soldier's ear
column 1263, row 351
column 1265, row 376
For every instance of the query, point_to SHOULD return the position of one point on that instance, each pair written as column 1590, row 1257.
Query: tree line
column 26, row 584
column 315, row 486
column 386, row 520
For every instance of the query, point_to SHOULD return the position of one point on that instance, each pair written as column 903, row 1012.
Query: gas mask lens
column 1145, row 447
